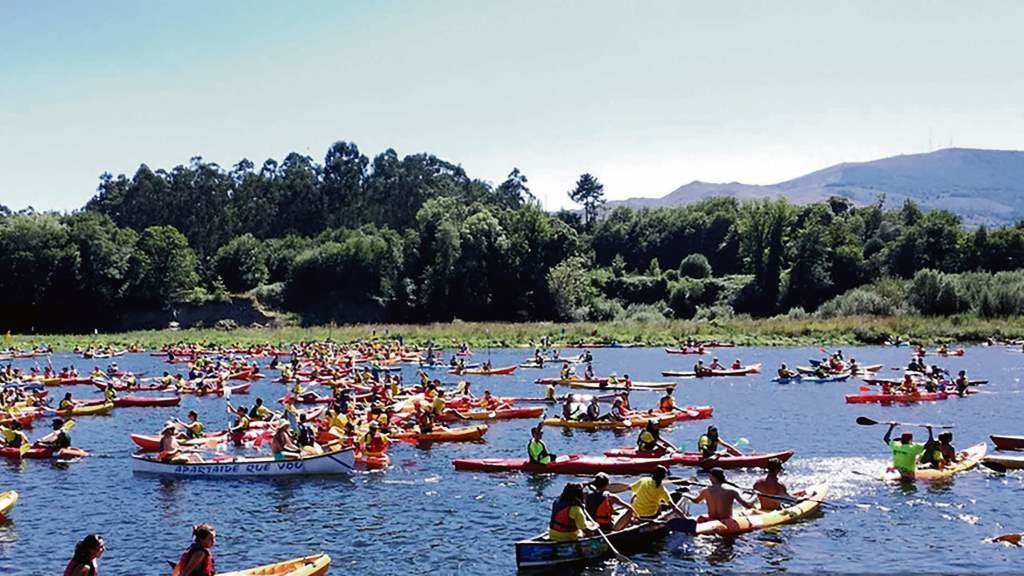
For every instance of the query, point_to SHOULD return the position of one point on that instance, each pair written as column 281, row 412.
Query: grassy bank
column 778, row 331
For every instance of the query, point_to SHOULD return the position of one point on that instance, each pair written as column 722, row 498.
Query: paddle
column 618, row 555
column 865, row 421
column 618, row 488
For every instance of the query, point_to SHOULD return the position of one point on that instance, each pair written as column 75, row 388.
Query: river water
column 421, row 515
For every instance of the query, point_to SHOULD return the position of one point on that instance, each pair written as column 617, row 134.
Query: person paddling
column 198, row 559
column 650, row 440
column 601, row 505
column 709, row 442
column 719, row 499
column 904, row 451
column 649, row 494
column 667, row 403
column 56, row 440
column 770, row 486
column 785, row 373
column 87, row 553
column 536, row 449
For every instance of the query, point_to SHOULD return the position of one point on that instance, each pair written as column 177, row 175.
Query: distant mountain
column 982, row 186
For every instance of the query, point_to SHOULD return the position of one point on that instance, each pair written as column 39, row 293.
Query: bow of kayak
column 316, row 565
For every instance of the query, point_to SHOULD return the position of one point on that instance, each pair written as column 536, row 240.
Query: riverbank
column 777, row 331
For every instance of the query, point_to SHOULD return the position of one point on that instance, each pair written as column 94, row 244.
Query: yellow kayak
column 315, row 565
column 637, row 421
column 7, row 501
column 749, row 520
column 88, row 410
column 970, row 458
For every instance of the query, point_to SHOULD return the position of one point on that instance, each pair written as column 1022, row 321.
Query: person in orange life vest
column 568, row 518
column 601, row 504
column 198, row 559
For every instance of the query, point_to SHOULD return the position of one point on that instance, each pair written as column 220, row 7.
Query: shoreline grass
column 744, row 331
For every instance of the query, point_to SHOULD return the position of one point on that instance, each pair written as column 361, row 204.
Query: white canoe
column 339, row 462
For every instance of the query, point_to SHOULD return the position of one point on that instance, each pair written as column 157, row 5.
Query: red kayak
column 697, row 351
column 1008, row 442
column 151, row 443
column 484, row 372
column 125, row 401
column 892, row 398
column 695, row 458
column 687, row 413
column 574, row 464
column 41, row 453
column 746, row 370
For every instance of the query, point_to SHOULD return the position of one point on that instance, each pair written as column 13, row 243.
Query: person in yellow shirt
column 439, row 403
column 649, row 494
column 568, row 519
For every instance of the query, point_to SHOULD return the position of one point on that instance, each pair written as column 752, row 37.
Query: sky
column 647, row 96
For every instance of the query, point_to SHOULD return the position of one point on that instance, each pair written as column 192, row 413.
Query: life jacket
column 666, row 404
column 74, row 565
column 205, row 569
column 599, row 506
column 195, row 430
column 647, row 441
column 306, row 435
column 560, row 519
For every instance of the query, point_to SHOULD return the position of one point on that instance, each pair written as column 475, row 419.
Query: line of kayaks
column 612, row 463
column 746, row 370
column 540, row 552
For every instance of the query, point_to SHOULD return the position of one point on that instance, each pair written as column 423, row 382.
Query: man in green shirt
column 904, row 451
column 536, row 449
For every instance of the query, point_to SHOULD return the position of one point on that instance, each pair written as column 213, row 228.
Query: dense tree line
column 417, row 239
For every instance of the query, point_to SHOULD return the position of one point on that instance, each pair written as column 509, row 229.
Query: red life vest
column 73, row 565
column 205, row 569
column 599, row 506
column 560, row 519
column 667, row 404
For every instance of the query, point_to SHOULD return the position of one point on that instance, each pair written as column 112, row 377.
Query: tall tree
column 588, row 193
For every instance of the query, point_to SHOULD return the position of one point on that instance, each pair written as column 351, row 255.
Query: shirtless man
column 770, row 486
column 281, row 443
column 719, row 499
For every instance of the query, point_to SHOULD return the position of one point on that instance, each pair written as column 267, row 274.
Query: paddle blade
column 994, row 466
column 865, row 421
column 1009, row 538
column 211, row 443
column 227, row 393
column 24, row 448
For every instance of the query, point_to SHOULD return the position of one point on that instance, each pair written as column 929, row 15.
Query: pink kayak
column 125, row 401
column 893, row 398
column 695, row 458
column 574, row 464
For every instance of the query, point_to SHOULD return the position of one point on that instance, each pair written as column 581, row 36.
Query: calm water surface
column 421, row 515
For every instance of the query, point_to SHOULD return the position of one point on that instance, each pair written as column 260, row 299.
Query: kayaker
column 281, row 444
column 650, row 440
column 946, row 448
column 87, row 552
column 198, row 559
column 240, row 427
column 536, row 450
column 618, row 412
column 593, row 413
column 601, row 505
column 166, row 380
column 169, row 447
column 709, row 442
column 909, row 385
column 568, row 518
column 667, row 403
column 737, row 365
column 719, row 499
column 66, row 403
column 716, row 365
column 588, row 373
column 785, row 373
column 961, row 383
column 375, row 442
column 549, row 392
column 439, row 403
column 12, row 436
column 649, row 494
column 699, row 369
column 424, row 420
column 904, row 451
column 770, row 486
column 569, row 408
column 194, row 428
column 566, row 372
column 259, row 411
column 56, row 440
column 109, row 394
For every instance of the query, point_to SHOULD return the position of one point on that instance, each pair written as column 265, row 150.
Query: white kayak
column 339, row 462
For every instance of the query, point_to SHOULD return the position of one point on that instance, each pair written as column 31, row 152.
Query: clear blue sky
column 645, row 95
